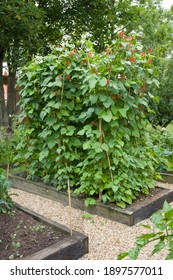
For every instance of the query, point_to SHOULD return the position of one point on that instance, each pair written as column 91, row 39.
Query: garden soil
column 21, row 235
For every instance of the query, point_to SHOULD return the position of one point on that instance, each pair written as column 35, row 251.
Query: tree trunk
column 11, row 95
column 2, row 101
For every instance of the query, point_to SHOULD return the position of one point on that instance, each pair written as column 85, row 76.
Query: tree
column 20, row 26
column 24, row 32
column 163, row 108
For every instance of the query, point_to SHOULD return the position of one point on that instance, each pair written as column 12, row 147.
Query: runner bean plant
column 83, row 119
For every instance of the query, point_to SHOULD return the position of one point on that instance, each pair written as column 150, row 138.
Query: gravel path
column 106, row 238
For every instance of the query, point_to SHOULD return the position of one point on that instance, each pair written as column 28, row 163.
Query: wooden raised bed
column 167, row 177
column 69, row 248
column 133, row 214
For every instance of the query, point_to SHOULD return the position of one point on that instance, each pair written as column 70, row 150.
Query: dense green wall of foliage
column 83, row 120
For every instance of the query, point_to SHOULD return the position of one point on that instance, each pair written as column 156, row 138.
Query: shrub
column 163, row 148
column 84, row 119
column 162, row 222
column 5, row 199
column 8, row 143
column 5, row 147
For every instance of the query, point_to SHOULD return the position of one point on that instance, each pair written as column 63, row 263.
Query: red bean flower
column 122, row 76
column 114, row 97
column 133, row 50
column 121, row 34
column 132, row 38
column 132, row 59
column 68, row 76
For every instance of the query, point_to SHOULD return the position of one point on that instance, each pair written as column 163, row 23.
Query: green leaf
column 102, row 97
column 104, row 198
column 81, row 132
column 156, row 82
column 135, row 133
column 122, row 255
column 93, row 98
column 121, row 87
column 149, row 81
column 127, row 199
column 108, row 103
column 43, row 155
column 150, row 71
column 92, row 82
column 45, row 82
column 51, row 104
column 168, row 215
column 86, row 145
column 56, row 127
column 106, row 115
column 170, row 256
column 115, row 86
column 115, row 188
column 43, row 114
column 133, row 253
column 63, row 130
column 114, row 110
column 87, row 216
column 45, row 133
column 105, row 147
column 90, row 201
column 50, row 121
column 51, row 143
column 83, row 115
column 103, row 82
column 166, row 206
column 70, row 106
column 129, row 192
column 157, row 220
column 158, row 247
column 123, row 112
column 121, row 204
column 58, row 82
column 146, row 226
column 71, row 129
column 57, row 105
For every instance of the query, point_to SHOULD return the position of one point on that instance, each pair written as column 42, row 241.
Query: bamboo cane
column 70, row 208
column 100, row 140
